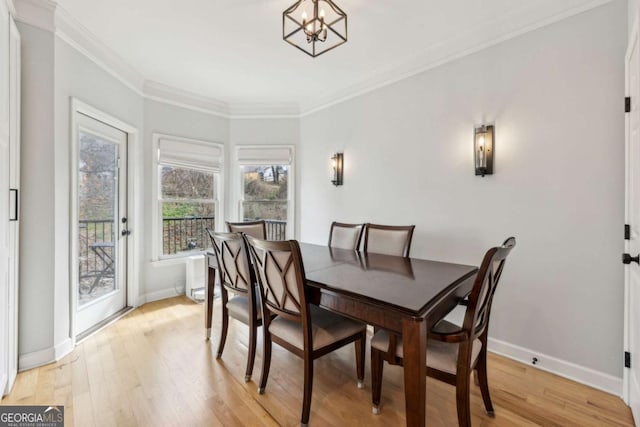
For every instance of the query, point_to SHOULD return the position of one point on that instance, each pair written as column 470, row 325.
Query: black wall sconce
column 483, row 138
column 337, row 163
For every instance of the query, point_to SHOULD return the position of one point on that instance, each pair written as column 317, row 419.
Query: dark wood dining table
column 404, row 295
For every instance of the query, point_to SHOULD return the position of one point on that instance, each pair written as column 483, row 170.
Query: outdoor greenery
column 265, row 192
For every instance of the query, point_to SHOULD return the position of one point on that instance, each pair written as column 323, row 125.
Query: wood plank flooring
column 154, row 367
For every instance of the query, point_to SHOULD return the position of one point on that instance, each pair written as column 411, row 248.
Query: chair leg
column 463, row 380
column 377, row 365
column 266, row 360
column 308, row 388
column 251, row 356
column 481, row 370
column 223, row 331
column 360, row 356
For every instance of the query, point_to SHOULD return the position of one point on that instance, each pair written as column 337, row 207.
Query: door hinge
column 627, row 359
column 627, row 104
column 627, row 232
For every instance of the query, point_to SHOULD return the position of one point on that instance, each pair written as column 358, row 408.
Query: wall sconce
column 483, row 149
column 337, row 163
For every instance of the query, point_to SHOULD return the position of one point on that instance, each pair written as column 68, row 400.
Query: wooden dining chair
column 257, row 229
column 237, row 278
column 453, row 351
column 345, row 236
column 388, row 239
column 306, row 330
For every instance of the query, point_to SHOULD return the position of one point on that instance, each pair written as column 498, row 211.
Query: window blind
column 190, row 153
column 267, row 155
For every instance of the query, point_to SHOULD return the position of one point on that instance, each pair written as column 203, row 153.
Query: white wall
column 555, row 96
column 37, row 196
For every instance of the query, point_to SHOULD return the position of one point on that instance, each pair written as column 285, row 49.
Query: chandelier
column 314, row 26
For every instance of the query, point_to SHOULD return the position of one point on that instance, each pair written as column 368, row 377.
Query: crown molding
column 11, row 7
column 48, row 15
column 37, row 13
column 438, row 56
column 170, row 95
column 79, row 37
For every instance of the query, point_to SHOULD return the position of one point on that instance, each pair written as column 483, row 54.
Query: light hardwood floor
column 153, row 367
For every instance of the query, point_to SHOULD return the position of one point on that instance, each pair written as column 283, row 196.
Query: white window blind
column 274, row 155
column 190, row 154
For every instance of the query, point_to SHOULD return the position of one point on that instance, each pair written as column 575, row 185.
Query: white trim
column 157, row 258
column 563, row 368
column 63, row 348
column 4, row 384
column 631, row 44
column 424, row 63
column 161, row 294
column 48, row 15
column 34, row 359
column 134, row 204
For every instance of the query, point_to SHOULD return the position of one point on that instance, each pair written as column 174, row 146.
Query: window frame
column 157, row 237
column 239, row 191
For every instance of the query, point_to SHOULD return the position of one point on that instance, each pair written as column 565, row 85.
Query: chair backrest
column 345, row 236
column 388, row 239
column 476, row 319
column 233, row 261
column 257, row 229
column 280, row 273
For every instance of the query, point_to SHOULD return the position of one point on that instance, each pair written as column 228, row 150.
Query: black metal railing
column 178, row 235
column 185, row 234
column 90, row 233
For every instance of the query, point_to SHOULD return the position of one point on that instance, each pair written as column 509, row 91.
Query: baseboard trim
column 563, row 368
column 4, row 385
column 634, row 404
column 34, row 359
column 64, row 348
column 161, row 294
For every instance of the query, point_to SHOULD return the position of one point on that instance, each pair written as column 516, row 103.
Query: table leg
column 414, row 337
column 211, row 282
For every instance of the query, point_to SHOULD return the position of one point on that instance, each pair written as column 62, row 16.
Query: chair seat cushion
column 238, row 307
column 326, row 328
column 440, row 355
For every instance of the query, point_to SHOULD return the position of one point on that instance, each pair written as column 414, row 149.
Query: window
column 188, row 194
column 267, row 188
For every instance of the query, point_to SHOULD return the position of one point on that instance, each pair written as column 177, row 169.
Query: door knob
column 126, row 232
column 628, row 259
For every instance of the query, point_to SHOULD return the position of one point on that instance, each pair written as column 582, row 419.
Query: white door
column 4, row 196
column 101, row 285
column 632, row 242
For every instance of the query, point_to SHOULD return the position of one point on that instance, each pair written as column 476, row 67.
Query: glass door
column 102, row 222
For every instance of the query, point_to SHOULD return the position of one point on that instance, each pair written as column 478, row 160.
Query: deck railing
column 178, row 235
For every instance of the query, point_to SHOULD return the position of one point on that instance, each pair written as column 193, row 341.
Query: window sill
column 176, row 260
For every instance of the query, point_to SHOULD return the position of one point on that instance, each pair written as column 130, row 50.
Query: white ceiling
column 232, row 50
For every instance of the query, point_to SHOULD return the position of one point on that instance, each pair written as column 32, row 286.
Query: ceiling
column 232, row 50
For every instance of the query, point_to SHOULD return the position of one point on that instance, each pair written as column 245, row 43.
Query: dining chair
column 306, row 330
column 257, row 229
column 237, row 278
column 453, row 351
column 345, row 236
column 388, row 239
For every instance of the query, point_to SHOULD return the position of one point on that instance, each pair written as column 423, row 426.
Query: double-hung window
column 189, row 186
column 267, row 188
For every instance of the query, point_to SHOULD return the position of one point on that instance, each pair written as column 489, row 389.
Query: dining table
column 404, row 295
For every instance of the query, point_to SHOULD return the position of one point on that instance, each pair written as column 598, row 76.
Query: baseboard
column 563, row 368
column 36, row 358
column 634, row 404
column 64, row 348
column 161, row 294
column 4, row 389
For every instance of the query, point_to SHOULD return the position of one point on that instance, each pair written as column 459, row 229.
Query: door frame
column 634, row 40
column 133, row 206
